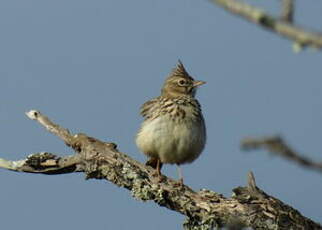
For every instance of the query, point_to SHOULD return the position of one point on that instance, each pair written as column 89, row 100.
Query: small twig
column 287, row 13
column 63, row 133
column 277, row 146
column 255, row 15
column 252, row 187
column 251, row 183
column 11, row 165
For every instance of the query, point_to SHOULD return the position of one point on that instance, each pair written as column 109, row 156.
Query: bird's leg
column 180, row 181
column 157, row 165
column 158, row 168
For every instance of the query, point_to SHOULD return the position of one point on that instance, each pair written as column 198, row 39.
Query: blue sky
column 89, row 65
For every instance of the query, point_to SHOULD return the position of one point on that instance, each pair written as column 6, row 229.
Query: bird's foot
column 179, row 183
column 157, row 165
column 159, row 177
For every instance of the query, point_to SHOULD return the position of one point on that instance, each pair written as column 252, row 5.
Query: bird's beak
column 198, row 83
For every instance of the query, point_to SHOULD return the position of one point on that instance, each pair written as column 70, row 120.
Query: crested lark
column 173, row 130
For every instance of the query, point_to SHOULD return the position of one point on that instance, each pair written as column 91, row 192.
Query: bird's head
column 180, row 83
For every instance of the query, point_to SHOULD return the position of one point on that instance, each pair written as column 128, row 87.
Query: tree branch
column 248, row 206
column 277, row 146
column 255, row 15
column 44, row 162
column 287, row 10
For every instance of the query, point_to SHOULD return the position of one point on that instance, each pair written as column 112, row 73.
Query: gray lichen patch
column 160, row 194
column 128, row 172
column 192, row 224
column 105, row 171
column 142, row 191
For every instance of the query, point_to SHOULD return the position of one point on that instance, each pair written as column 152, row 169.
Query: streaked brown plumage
column 173, row 130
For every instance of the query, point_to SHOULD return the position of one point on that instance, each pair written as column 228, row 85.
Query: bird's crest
column 179, row 71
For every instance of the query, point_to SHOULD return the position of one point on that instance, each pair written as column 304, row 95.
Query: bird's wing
column 148, row 107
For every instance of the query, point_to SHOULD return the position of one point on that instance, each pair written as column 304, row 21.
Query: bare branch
column 287, row 10
column 63, row 133
column 248, row 206
column 277, row 146
column 253, row 14
column 46, row 163
column 11, row 165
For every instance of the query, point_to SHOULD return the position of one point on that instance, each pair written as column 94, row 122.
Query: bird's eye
column 182, row 82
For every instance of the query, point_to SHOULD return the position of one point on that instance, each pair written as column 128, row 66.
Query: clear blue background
column 89, row 65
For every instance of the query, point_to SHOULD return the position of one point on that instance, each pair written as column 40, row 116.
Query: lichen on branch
column 205, row 209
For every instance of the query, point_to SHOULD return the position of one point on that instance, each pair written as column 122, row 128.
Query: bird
column 173, row 130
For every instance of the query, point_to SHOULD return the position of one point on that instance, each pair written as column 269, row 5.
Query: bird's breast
column 173, row 137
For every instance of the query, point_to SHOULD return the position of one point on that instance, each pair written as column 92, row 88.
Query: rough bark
column 249, row 206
